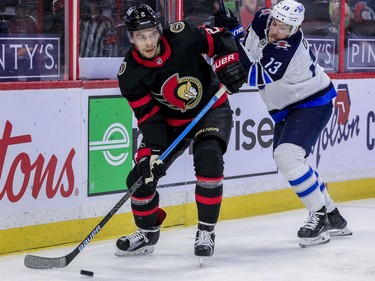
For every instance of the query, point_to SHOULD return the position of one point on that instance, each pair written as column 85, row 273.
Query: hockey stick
column 38, row 262
column 222, row 5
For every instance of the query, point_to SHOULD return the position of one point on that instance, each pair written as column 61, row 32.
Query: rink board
column 68, row 153
column 74, row 231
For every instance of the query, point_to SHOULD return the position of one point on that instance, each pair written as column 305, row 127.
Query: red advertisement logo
column 44, row 174
column 342, row 104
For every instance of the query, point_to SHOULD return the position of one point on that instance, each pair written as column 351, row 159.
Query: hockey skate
column 315, row 230
column 204, row 242
column 338, row 224
column 140, row 243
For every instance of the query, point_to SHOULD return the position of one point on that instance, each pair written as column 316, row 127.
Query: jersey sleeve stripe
column 267, row 78
column 210, row 42
column 140, row 102
column 153, row 111
column 253, row 75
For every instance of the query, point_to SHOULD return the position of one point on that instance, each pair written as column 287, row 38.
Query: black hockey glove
column 152, row 169
column 230, row 71
column 229, row 21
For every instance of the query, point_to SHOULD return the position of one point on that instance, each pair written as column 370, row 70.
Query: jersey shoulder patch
column 177, row 27
column 122, row 68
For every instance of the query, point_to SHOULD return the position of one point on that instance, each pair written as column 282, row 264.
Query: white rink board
column 56, row 121
column 345, row 152
column 45, row 127
column 348, row 152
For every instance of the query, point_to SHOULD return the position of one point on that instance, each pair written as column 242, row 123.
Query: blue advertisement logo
column 28, row 57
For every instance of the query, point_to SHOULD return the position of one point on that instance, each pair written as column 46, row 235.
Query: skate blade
column 146, row 250
column 340, row 232
column 203, row 260
column 323, row 238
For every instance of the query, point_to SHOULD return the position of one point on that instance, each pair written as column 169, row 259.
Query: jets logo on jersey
column 181, row 93
column 122, row 68
column 177, row 27
column 282, row 44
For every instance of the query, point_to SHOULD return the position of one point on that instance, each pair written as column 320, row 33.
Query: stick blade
column 37, row 262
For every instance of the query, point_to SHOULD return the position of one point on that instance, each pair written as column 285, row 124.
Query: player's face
column 278, row 31
column 147, row 42
column 251, row 5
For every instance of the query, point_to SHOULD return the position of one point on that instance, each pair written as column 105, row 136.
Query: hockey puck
column 87, row 273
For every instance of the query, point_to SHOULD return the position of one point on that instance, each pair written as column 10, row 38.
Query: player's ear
column 130, row 36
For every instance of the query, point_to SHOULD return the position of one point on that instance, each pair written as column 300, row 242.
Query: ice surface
column 250, row 249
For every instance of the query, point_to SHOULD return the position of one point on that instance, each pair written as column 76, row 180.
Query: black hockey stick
column 38, row 262
column 222, row 6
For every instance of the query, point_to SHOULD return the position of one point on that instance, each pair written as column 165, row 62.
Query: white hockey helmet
column 290, row 12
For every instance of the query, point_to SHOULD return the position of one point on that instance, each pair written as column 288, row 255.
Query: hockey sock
column 208, row 196
column 290, row 159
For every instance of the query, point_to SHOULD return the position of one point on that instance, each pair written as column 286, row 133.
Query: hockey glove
column 230, row 71
column 229, row 21
column 152, row 169
column 254, row 47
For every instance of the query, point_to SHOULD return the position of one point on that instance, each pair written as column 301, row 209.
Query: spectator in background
column 363, row 10
column 335, row 16
column 96, row 25
column 230, row 4
column 199, row 12
column 55, row 25
column 364, row 16
column 248, row 10
column 55, row 21
column 24, row 21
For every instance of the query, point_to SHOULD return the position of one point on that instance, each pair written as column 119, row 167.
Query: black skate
column 140, row 243
column 204, row 240
column 315, row 231
column 338, row 224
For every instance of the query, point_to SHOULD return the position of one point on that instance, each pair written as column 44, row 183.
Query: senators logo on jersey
column 181, row 93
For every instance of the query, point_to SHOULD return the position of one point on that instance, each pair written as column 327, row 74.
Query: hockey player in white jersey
column 298, row 95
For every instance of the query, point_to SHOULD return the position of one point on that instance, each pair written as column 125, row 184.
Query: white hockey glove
column 151, row 167
column 254, row 47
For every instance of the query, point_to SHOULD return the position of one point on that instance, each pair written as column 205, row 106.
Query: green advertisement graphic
column 110, row 144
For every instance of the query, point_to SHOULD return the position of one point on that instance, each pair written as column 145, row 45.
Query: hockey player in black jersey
column 298, row 95
column 167, row 82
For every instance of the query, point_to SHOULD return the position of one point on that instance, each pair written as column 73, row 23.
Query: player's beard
column 151, row 52
column 273, row 37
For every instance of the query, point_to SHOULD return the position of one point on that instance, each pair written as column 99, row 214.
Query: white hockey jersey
column 286, row 72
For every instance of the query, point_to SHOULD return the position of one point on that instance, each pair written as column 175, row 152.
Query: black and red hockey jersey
column 172, row 88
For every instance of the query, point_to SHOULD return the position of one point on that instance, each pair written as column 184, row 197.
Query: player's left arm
column 219, row 43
